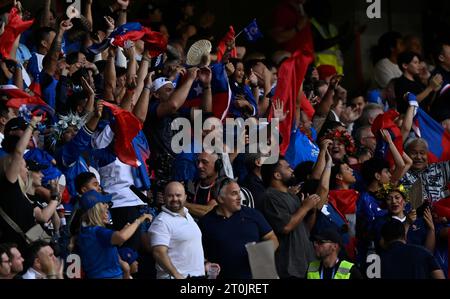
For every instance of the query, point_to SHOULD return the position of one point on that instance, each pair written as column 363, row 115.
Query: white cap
column 160, row 82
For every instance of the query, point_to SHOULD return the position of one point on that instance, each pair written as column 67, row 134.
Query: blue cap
column 92, row 197
column 374, row 96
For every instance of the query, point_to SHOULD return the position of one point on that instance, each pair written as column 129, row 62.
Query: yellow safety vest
column 343, row 272
column 331, row 56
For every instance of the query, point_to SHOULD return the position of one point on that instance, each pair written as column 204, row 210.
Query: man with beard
column 328, row 266
column 203, row 200
column 290, row 218
column 176, row 239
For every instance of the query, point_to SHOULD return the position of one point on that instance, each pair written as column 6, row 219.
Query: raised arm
column 178, row 97
column 12, row 170
column 110, row 75
column 205, row 77
column 308, row 203
column 50, row 61
column 141, row 76
column 140, row 110
column 88, row 13
column 319, row 166
column 398, row 160
column 45, row 21
column 121, row 236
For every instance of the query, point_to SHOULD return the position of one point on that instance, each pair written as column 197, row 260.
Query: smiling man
column 176, row 239
column 435, row 177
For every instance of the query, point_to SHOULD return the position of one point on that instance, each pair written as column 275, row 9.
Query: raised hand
column 205, row 75
column 65, row 25
column 428, row 218
column 87, row 87
column 278, row 110
column 252, row 78
column 110, row 22
column 99, row 109
column 386, row 136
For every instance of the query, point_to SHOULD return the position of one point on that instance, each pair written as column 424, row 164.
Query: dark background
column 424, row 18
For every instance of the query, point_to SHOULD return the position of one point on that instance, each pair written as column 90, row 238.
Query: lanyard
column 333, row 271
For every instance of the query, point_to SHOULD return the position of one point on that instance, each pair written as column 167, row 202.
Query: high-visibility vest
column 331, row 56
column 343, row 272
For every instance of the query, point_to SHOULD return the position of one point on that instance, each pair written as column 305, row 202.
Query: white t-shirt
column 385, row 71
column 183, row 238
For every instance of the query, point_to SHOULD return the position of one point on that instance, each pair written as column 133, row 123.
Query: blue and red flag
column 17, row 98
column 290, row 77
column 126, row 127
column 221, row 94
column 154, row 41
column 438, row 139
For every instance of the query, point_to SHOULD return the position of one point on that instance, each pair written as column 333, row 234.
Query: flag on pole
column 252, row 32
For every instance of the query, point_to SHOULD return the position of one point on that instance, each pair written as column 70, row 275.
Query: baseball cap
column 33, row 165
column 160, row 82
column 91, row 198
column 17, row 123
column 331, row 235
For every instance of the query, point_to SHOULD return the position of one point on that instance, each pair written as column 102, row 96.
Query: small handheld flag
column 251, row 32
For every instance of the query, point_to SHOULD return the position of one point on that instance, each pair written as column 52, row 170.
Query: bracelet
column 52, row 276
column 148, row 87
column 138, row 221
column 207, row 87
column 32, row 126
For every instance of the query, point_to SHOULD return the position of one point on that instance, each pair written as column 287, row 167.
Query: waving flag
column 17, row 98
column 438, row 139
column 154, row 41
column 126, row 128
column 220, row 89
column 252, row 32
column 13, row 29
column 221, row 48
column 385, row 121
column 290, row 77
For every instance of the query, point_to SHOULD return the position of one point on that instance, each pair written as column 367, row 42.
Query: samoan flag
column 252, row 32
column 120, row 34
column 438, row 139
column 220, row 88
column 18, row 97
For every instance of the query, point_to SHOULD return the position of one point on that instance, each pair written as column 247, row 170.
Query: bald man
column 176, row 239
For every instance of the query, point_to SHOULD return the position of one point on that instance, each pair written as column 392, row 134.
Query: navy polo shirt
column 224, row 240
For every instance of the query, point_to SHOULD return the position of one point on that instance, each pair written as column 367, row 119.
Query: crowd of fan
column 343, row 190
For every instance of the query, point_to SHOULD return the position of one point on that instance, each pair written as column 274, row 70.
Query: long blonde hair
column 24, row 187
column 94, row 216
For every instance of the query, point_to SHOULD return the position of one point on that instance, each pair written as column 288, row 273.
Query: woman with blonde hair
column 98, row 244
